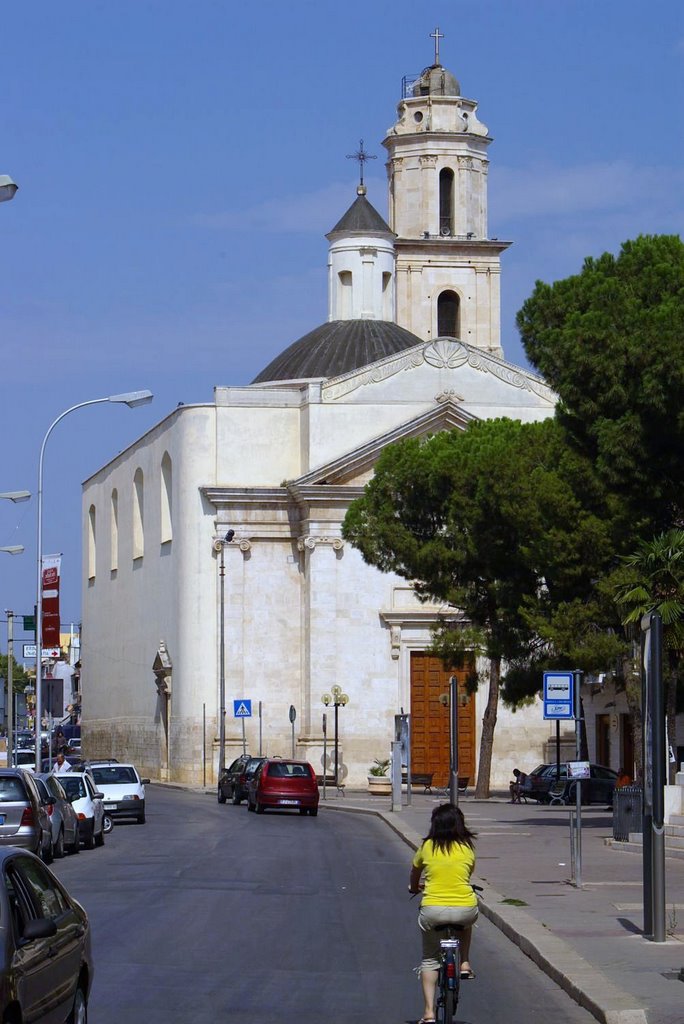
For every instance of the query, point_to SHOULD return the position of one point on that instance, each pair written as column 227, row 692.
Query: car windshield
column 286, row 770
column 73, row 786
column 116, row 774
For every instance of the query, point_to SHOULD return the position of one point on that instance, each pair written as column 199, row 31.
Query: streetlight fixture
column 13, row 549
column 8, row 188
column 132, row 399
column 15, row 496
column 219, row 546
column 338, row 700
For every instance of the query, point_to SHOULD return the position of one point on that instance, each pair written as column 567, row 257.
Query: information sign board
column 242, row 708
column 559, row 689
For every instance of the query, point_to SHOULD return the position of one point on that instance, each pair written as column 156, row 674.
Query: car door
column 46, row 968
column 98, row 804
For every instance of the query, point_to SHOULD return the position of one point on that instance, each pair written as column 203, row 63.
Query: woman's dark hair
column 447, row 827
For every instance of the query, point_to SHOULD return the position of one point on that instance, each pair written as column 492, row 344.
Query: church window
column 166, row 498
column 114, row 533
column 345, row 306
column 138, row 515
column 92, row 538
column 446, row 202
column 448, row 315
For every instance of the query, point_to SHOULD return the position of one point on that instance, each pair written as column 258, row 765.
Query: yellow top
column 447, row 875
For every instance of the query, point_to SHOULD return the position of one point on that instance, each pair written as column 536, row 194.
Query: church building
column 215, row 574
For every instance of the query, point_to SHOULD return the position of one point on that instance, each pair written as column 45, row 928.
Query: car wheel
column 250, row 805
column 58, row 850
column 79, row 1011
column 220, row 796
column 259, row 808
column 99, row 839
column 107, row 824
column 237, row 797
column 76, row 846
column 313, row 811
column 89, row 841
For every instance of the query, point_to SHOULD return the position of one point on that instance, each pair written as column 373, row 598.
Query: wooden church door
column 430, row 720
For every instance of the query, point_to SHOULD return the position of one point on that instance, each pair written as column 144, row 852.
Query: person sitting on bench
column 516, row 787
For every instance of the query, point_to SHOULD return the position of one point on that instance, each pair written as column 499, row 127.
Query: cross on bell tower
column 437, row 35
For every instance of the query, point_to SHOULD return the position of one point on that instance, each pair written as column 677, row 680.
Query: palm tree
column 652, row 580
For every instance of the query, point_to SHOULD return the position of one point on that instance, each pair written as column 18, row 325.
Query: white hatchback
column 86, row 800
column 122, row 787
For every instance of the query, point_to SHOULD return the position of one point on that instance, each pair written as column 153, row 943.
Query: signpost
column 242, row 709
column 292, row 716
column 653, row 702
column 562, row 703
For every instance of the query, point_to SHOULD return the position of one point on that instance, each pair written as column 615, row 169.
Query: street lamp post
column 132, row 399
column 219, row 545
column 11, row 549
column 338, row 700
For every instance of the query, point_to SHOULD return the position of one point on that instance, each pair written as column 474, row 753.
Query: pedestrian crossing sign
column 242, row 708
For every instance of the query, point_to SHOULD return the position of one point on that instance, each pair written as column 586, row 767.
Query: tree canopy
column 610, row 341
column 502, row 521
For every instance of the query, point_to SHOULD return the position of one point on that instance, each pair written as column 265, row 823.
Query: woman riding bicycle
column 447, row 856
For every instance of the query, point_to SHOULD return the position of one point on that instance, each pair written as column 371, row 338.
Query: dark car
column 45, row 959
column 283, row 783
column 232, row 785
column 24, row 821
column 597, row 789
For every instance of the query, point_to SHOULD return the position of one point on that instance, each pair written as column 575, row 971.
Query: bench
column 330, row 781
column 423, row 779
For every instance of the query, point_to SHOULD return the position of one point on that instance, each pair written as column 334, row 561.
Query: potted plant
column 378, row 780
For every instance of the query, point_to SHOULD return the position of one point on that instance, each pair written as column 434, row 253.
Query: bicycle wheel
column 450, row 1004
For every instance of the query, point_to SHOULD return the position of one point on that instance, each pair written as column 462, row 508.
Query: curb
column 575, row 975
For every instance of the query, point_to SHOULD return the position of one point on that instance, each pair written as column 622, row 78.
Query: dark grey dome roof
column 338, row 347
column 437, row 81
column 362, row 217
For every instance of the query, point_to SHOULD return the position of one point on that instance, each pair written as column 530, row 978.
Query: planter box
column 379, row 785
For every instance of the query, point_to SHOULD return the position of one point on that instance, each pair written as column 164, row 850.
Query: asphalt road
column 210, row 914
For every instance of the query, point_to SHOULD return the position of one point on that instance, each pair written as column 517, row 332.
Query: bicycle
column 449, row 977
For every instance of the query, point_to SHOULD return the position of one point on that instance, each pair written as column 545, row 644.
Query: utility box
column 627, row 812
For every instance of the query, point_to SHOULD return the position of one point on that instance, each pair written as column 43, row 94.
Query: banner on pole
column 50, row 587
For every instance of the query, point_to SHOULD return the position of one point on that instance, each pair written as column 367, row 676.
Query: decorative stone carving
column 427, row 161
column 449, row 395
column 245, row 545
column 445, row 354
column 395, row 642
column 310, row 543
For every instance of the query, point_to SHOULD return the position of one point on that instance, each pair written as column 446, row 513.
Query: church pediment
column 476, row 369
column 355, row 468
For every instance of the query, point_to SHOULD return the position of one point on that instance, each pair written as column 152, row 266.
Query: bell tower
column 447, row 268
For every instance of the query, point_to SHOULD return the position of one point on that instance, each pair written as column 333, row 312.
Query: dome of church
column 338, row 347
column 437, row 81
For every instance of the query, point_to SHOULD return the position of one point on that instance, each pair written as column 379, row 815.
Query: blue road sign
column 242, row 708
column 559, row 695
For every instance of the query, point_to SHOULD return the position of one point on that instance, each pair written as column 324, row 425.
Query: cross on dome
column 437, row 35
column 361, row 156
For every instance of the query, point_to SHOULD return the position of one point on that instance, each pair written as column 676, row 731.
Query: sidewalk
column 588, row 940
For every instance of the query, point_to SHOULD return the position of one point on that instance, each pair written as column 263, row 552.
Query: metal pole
column 10, row 685
column 204, row 744
column 557, row 749
column 325, row 754
column 453, row 772
column 260, row 729
column 578, row 783
column 336, row 706
column 408, row 760
column 244, row 738
column 222, row 666
column 659, row 748
column 395, row 803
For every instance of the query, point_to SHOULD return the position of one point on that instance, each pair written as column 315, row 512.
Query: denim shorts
column 429, row 917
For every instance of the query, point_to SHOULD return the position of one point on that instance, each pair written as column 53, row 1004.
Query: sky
column 180, row 162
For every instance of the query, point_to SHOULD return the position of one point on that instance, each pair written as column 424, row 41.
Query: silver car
column 24, row 821
column 63, row 819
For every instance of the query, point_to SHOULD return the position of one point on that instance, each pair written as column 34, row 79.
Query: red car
column 281, row 783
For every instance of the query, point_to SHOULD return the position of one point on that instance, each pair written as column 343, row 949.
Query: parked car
column 25, row 759
column 87, row 801
column 65, row 834
column 46, row 966
column 597, row 789
column 232, row 785
column 122, row 788
column 24, row 821
column 281, row 783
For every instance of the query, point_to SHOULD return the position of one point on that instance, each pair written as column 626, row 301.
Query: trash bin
column 627, row 811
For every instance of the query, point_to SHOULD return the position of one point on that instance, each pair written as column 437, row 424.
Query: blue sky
column 179, row 164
